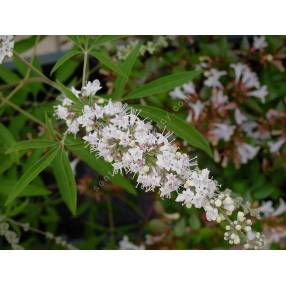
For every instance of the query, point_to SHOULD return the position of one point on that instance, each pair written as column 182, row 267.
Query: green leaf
column 7, row 140
column 70, row 54
column 182, row 129
column 31, row 144
column 162, row 84
column 194, row 221
column 31, row 173
column 127, row 68
column 263, row 191
column 157, row 226
column 76, row 39
column 99, row 165
column 7, row 75
column 5, row 163
column 105, row 39
column 106, row 60
column 50, row 129
column 68, row 93
column 65, row 179
column 180, row 227
column 29, row 191
column 67, row 70
column 6, row 137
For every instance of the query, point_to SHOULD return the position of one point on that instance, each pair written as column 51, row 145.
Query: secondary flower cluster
column 6, row 47
column 6, row 230
column 11, row 236
column 148, row 47
column 116, row 133
column 229, row 100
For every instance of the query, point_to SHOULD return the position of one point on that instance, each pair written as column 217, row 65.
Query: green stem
column 46, row 79
column 84, row 72
column 12, row 93
column 27, row 114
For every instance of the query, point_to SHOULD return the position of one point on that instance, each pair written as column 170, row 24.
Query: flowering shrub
column 229, row 99
column 100, row 138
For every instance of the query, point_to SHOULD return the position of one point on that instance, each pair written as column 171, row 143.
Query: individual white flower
column 260, row 93
column 247, row 152
column 239, row 116
column 204, row 187
column 281, row 209
column 62, row 112
column 222, row 131
column 73, row 127
column 252, row 130
column 266, row 208
column 6, row 47
column 126, row 244
column 244, row 75
column 91, row 88
column 259, row 43
column 213, row 77
column 189, row 88
column 218, row 98
column 196, row 110
column 228, row 204
column 211, row 213
column 11, row 237
column 275, row 146
column 66, row 102
column 91, row 138
column 186, row 198
column 178, row 93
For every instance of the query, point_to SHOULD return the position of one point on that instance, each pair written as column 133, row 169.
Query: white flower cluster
column 6, row 47
column 59, row 241
column 220, row 103
column 150, row 47
column 259, row 43
column 242, row 224
column 13, row 239
column 11, row 236
column 130, row 144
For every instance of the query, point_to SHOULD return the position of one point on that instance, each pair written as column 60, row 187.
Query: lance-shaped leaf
column 106, row 60
column 182, row 129
column 162, row 84
column 31, row 144
column 7, row 140
column 65, row 179
column 99, row 165
column 29, row 191
column 70, row 54
column 31, row 173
